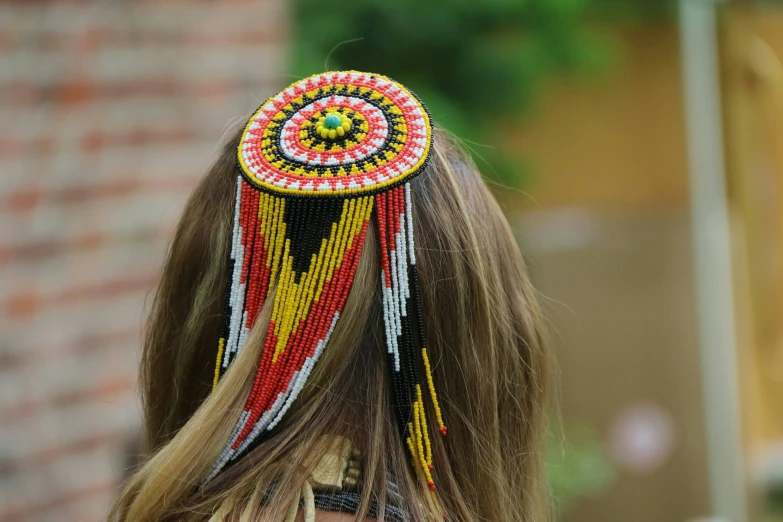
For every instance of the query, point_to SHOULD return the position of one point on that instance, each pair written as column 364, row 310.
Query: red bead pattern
column 304, row 250
column 248, row 277
column 401, row 306
column 283, row 370
column 396, row 146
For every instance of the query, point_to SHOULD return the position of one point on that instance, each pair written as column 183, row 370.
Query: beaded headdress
column 315, row 163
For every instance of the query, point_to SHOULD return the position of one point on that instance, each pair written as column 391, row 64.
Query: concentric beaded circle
column 346, row 133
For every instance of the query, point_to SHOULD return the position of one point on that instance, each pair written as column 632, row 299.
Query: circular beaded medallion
column 337, row 133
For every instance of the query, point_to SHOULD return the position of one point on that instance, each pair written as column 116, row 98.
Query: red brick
column 105, row 390
column 20, row 305
column 52, row 429
column 54, row 381
column 55, row 327
column 102, row 217
column 108, row 118
column 27, row 199
column 84, row 344
column 74, row 92
column 47, row 249
column 30, row 508
column 22, row 200
column 30, row 301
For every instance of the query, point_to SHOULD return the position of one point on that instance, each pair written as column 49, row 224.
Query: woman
column 354, row 436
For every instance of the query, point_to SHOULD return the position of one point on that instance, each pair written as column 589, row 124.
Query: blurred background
column 636, row 147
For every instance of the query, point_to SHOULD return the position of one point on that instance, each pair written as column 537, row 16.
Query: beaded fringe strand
column 315, row 160
column 310, row 249
column 399, row 281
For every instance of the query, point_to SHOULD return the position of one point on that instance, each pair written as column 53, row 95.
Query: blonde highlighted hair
column 486, row 346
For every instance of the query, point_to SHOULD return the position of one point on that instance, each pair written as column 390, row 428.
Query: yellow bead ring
column 333, row 125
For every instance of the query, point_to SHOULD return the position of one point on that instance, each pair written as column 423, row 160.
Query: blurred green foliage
column 477, row 64
column 578, row 466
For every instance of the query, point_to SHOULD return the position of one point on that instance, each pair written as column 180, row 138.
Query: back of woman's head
column 484, row 337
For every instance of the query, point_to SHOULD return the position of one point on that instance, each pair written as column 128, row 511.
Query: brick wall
column 109, row 113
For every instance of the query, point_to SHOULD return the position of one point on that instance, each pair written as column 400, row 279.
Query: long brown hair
column 485, row 338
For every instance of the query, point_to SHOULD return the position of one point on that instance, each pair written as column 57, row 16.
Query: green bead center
column 332, row 121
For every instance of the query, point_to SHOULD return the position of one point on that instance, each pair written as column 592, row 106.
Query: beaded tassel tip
column 315, row 163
